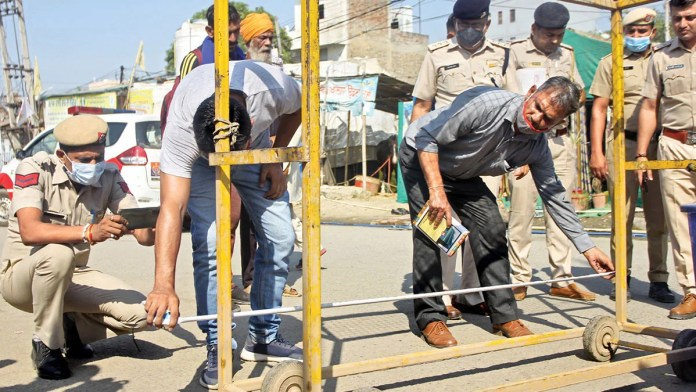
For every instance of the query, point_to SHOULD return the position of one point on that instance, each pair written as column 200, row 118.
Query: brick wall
column 399, row 53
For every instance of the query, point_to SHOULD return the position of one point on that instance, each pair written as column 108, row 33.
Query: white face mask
column 86, row 173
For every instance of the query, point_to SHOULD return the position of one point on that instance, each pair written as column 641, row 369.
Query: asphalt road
column 362, row 262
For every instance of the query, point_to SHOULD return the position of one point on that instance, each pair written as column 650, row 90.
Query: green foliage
column 243, row 9
column 169, row 58
column 660, row 27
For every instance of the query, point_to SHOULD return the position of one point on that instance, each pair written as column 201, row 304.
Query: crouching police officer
column 58, row 213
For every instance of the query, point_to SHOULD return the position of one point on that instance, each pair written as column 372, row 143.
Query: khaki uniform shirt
column 448, row 70
column 41, row 182
column 523, row 54
column 635, row 67
column 559, row 63
column 671, row 81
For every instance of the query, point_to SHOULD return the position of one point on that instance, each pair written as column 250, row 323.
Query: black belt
column 633, row 135
column 559, row 132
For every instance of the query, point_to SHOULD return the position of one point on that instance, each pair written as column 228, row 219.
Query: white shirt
column 269, row 94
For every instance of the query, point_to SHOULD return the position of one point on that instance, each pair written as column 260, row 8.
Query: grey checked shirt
column 475, row 137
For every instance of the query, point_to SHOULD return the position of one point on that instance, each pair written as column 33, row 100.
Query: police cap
column 81, row 130
column 471, row 9
column 551, row 15
column 640, row 16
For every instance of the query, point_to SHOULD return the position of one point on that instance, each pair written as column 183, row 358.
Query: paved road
column 362, row 262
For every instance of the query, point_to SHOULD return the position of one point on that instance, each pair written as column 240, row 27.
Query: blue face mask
column 637, row 45
column 86, row 173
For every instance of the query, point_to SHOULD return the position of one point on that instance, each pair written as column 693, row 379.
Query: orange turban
column 255, row 24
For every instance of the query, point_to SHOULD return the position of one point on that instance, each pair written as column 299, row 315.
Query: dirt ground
column 349, row 205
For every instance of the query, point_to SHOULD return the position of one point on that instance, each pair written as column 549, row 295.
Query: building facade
column 367, row 29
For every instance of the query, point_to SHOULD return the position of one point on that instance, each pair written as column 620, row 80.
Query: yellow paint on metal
column 607, row 369
column 266, row 155
column 433, row 355
column 649, row 331
column 689, row 164
column 222, row 191
column 611, row 4
column 603, row 4
column 623, row 4
column 643, row 347
column 311, row 177
column 619, row 173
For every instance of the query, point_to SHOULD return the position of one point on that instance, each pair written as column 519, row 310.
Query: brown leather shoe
column 511, row 329
column 453, row 313
column 438, row 335
column 572, row 291
column 685, row 310
column 520, row 293
column 480, row 309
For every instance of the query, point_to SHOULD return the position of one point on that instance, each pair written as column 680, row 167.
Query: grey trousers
column 477, row 208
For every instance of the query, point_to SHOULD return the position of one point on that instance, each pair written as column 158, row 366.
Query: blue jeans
column 274, row 235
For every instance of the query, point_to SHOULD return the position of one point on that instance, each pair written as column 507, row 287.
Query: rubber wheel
column 597, row 339
column 5, row 207
column 686, row 370
column 286, row 376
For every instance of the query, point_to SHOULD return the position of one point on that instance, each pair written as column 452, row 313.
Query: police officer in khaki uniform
column 536, row 59
column 671, row 86
column 639, row 30
column 450, row 67
column 59, row 212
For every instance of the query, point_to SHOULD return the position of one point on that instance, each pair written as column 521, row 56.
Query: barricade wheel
column 600, row 337
column 686, row 370
column 286, row 376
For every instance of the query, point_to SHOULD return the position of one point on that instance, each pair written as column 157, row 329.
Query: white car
column 133, row 144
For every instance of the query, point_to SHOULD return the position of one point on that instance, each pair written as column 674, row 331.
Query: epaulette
column 662, row 46
column 566, row 46
column 500, row 44
column 40, row 158
column 110, row 166
column 437, row 45
column 519, row 41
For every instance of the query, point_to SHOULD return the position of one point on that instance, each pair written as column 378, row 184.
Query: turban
column 255, row 24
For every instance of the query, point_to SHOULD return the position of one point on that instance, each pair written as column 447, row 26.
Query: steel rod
column 329, row 305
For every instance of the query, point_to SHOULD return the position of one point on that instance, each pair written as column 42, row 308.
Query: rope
column 228, row 130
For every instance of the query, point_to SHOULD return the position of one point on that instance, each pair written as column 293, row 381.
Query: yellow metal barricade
column 309, row 153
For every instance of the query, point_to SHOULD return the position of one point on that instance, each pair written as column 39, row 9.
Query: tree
column 243, row 9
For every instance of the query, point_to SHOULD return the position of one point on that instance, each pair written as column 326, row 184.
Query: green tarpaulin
column 588, row 52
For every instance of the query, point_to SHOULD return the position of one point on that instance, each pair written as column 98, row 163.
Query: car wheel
column 5, row 207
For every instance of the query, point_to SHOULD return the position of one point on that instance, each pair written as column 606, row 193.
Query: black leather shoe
column 74, row 348
column 660, row 292
column 49, row 364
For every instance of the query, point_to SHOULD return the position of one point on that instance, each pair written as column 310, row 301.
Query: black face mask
column 470, row 38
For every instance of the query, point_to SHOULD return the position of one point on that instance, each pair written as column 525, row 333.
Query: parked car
column 133, row 144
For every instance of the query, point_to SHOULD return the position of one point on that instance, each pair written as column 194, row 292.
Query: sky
column 79, row 41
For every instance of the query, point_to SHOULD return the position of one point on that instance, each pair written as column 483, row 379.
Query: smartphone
column 140, row 218
column 644, row 184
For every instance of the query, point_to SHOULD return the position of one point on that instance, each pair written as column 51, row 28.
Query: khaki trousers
column 522, row 205
column 678, row 187
column 469, row 279
column 652, row 210
column 48, row 284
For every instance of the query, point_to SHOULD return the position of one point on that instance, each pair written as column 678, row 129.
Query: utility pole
column 22, row 71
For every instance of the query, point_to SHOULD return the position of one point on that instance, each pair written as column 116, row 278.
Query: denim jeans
column 275, row 239
column 476, row 207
